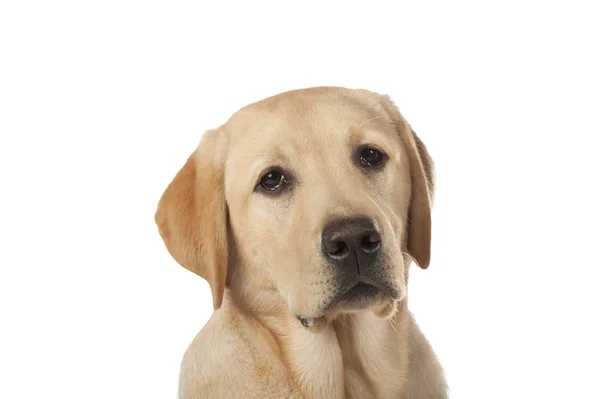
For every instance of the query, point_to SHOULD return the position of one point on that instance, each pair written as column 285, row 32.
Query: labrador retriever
column 303, row 212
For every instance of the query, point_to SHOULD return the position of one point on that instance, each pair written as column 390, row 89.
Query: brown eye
column 273, row 181
column 371, row 158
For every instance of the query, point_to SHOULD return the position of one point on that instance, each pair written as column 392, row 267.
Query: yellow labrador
column 303, row 212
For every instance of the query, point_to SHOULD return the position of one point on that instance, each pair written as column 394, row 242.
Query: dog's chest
column 375, row 362
column 356, row 385
column 358, row 358
column 365, row 381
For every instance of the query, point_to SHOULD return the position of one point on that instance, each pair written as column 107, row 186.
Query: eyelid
column 379, row 140
column 268, row 170
column 373, row 146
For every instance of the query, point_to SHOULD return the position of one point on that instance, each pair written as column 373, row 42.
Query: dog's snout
column 351, row 243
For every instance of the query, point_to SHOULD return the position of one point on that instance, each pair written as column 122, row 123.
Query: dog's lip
column 360, row 289
column 364, row 290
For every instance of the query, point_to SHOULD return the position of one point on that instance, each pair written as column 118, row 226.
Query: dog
column 303, row 212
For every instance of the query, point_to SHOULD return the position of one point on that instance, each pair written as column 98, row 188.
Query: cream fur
column 261, row 252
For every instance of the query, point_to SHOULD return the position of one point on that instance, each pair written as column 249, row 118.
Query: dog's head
column 318, row 195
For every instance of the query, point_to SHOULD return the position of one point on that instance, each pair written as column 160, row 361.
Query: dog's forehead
column 305, row 120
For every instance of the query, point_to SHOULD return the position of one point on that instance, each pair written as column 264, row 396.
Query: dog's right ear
column 192, row 214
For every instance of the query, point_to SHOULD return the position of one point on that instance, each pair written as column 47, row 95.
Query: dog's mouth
column 360, row 292
column 360, row 296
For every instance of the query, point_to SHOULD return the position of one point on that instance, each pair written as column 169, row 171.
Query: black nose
column 351, row 244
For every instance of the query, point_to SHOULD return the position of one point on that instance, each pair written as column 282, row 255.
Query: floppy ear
column 192, row 215
column 422, row 176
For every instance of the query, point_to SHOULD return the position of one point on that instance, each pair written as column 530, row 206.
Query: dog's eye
column 371, row 158
column 273, row 181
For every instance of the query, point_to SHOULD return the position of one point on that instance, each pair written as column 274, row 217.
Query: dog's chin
column 361, row 297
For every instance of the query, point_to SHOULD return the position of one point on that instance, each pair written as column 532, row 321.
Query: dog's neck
column 351, row 351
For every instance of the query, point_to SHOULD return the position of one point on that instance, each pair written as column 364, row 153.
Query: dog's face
column 309, row 194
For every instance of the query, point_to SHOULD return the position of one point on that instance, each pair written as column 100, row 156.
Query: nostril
column 370, row 242
column 348, row 241
column 337, row 249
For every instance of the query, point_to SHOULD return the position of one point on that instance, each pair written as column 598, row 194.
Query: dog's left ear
column 422, row 176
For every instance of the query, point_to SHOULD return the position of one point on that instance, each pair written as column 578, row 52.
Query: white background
column 101, row 102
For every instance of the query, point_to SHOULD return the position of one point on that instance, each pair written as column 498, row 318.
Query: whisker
column 392, row 324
